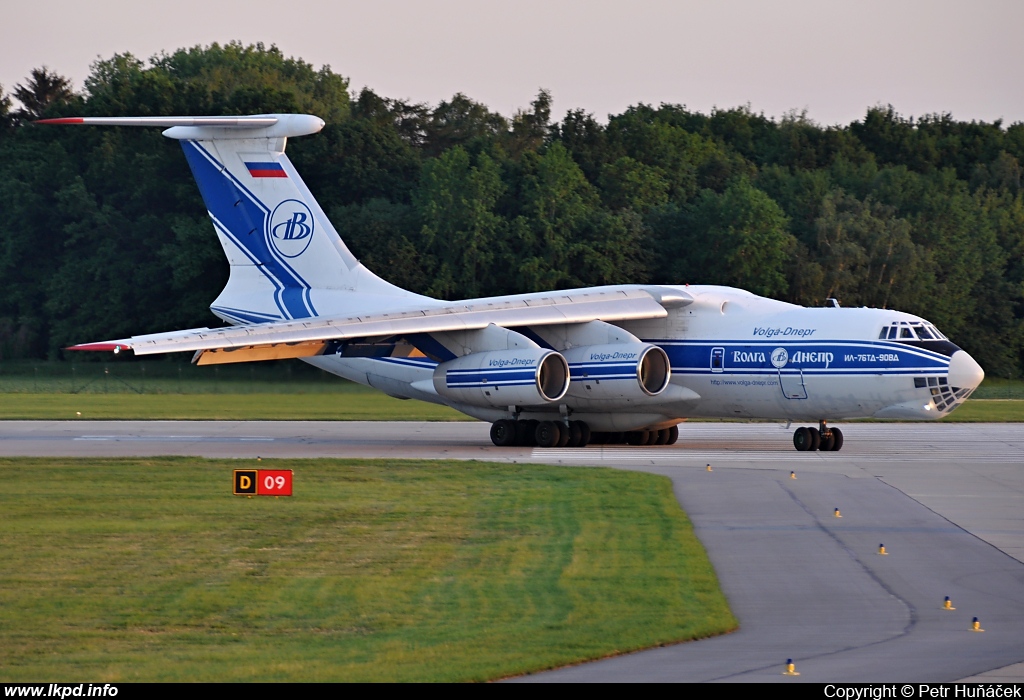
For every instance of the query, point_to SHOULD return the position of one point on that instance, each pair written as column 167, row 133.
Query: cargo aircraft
column 611, row 364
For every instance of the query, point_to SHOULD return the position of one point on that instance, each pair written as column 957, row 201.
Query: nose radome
column 964, row 372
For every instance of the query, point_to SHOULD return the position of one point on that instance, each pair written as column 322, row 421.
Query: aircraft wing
column 306, row 337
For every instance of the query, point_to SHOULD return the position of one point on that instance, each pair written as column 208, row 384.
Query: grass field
column 996, row 388
column 149, row 569
column 366, row 404
column 125, row 376
column 988, row 411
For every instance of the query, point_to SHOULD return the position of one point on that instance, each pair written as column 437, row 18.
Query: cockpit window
column 910, row 330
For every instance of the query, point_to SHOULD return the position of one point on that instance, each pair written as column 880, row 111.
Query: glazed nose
column 964, row 372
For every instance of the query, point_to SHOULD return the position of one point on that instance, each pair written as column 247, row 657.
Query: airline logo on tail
column 291, row 228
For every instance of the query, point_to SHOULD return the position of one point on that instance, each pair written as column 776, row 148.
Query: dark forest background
column 103, row 233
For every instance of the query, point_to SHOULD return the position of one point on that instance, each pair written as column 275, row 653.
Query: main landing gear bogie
column 823, row 439
column 575, row 433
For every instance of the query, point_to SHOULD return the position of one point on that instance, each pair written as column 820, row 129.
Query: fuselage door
column 791, row 378
column 792, row 383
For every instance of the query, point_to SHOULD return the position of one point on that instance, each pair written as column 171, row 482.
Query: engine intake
column 501, row 378
column 618, row 371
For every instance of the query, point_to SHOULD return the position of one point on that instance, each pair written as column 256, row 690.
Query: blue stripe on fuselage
column 811, row 357
column 694, row 358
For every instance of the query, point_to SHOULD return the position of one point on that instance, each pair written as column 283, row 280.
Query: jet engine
column 621, row 371
column 502, row 378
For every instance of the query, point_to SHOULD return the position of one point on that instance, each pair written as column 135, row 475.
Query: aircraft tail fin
column 287, row 261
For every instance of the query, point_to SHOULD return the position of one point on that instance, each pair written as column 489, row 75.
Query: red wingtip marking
column 108, row 347
column 61, row 120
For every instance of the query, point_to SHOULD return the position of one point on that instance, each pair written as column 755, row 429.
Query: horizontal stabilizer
column 250, row 122
column 211, row 128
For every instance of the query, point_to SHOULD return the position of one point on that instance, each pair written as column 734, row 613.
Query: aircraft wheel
column 503, row 433
column 837, row 437
column 662, row 437
column 827, row 441
column 579, row 433
column 673, row 435
column 636, row 437
column 815, row 438
column 525, row 433
column 548, row 433
column 584, row 433
column 802, row 439
column 575, row 434
column 564, row 435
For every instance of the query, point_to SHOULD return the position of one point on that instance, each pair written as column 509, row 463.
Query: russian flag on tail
column 270, row 169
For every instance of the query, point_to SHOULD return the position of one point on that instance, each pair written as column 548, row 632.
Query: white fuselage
column 737, row 355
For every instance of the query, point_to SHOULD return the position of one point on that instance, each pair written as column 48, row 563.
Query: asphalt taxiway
column 946, row 501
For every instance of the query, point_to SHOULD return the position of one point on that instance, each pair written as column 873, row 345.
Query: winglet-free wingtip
column 100, row 347
column 61, row 120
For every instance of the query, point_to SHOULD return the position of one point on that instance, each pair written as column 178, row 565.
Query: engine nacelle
column 502, row 378
column 618, row 371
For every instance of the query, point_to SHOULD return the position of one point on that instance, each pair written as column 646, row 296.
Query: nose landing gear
column 822, row 438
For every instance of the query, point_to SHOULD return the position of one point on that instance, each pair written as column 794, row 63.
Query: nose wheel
column 823, row 438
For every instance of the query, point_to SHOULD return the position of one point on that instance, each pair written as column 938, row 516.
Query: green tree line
column 103, row 232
